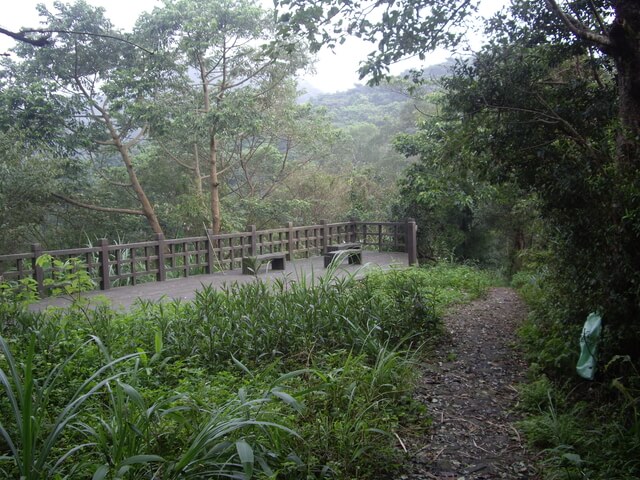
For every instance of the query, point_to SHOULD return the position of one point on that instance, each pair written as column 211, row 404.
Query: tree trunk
column 123, row 149
column 147, row 208
column 625, row 37
column 215, row 184
column 199, row 177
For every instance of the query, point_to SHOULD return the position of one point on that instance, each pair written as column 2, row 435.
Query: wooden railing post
column 290, row 249
column 324, row 241
column 161, row 276
column 210, row 253
column 38, row 273
column 411, row 241
column 252, row 240
column 103, row 264
column 364, row 235
column 353, row 230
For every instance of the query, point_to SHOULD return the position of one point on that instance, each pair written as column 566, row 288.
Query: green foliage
column 15, row 296
column 551, row 331
column 401, row 29
column 114, row 85
column 121, row 432
column 69, row 277
column 34, row 427
column 245, row 126
column 303, row 379
column 569, row 163
column 582, row 435
column 460, row 214
column 22, row 292
column 144, row 131
column 584, row 430
column 363, row 161
column 28, row 171
column 63, row 278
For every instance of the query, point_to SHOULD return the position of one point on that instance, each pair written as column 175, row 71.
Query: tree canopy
column 550, row 105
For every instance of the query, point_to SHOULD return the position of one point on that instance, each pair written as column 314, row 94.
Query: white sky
column 335, row 70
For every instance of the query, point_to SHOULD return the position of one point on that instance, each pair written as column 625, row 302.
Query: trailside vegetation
column 300, row 379
column 537, row 149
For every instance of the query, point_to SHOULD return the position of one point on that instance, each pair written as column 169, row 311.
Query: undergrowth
column 583, row 429
column 309, row 379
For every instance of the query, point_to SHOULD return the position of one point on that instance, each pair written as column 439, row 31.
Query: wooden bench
column 351, row 251
column 343, row 246
column 251, row 265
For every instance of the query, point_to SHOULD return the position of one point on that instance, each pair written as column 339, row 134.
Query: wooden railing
column 133, row 263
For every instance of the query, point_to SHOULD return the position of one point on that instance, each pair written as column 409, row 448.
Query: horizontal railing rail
column 113, row 265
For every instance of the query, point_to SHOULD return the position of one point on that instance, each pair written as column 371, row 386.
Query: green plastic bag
column 589, row 340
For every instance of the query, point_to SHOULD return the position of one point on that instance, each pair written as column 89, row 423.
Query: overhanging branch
column 21, row 37
column 88, row 206
column 46, row 40
column 577, row 28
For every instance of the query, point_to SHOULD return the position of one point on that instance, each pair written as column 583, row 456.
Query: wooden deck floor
column 185, row 288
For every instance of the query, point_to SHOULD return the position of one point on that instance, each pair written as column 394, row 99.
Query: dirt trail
column 470, row 392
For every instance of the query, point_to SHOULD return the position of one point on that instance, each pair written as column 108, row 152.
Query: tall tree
column 230, row 64
column 105, row 82
column 613, row 27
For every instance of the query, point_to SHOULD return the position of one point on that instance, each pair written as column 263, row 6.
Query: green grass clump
column 309, row 379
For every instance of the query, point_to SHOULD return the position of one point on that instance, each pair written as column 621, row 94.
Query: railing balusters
column 161, row 257
column 38, row 273
column 161, row 276
column 132, row 258
column 323, row 235
column 253, row 240
column 291, row 245
column 410, row 240
column 103, row 262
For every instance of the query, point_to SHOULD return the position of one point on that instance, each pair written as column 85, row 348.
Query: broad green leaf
column 245, row 452
column 136, row 459
column 289, row 400
column 101, row 472
column 158, row 342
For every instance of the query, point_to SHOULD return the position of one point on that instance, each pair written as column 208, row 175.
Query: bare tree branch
column 97, row 208
column 173, row 157
column 577, row 28
column 44, row 41
column 599, row 19
column 137, row 139
column 21, row 37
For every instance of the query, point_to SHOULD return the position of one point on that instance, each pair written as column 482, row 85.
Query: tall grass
column 35, row 426
column 304, row 378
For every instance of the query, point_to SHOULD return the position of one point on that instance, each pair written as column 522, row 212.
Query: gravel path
column 470, row 392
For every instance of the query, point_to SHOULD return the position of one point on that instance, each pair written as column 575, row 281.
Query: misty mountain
column 381, row 105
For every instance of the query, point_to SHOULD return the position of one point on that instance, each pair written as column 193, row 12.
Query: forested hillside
column 391, row 105
column 150, row 140
column 369, row 119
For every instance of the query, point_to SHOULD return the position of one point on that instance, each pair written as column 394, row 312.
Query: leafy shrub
column 584, row 430
column 69, row 277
